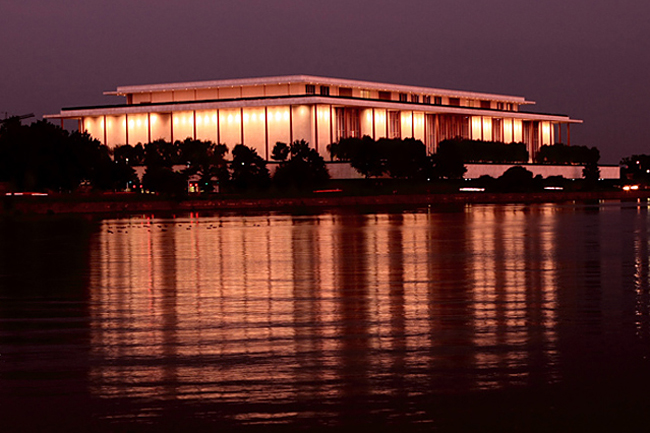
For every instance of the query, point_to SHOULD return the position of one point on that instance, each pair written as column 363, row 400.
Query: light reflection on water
column 336, row 318
column 324, row 308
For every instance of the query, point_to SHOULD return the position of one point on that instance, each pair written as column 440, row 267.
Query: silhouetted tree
column 362, row 153
column 636, row 168
column 129, row 155
column 478, row 151
column 562, row 154
column 304, row 169
column 516, row 179
column 280, row 151
column 448, row 161
column 207, row 160
column 42, row 156
column 248, row 169
column 404, row 158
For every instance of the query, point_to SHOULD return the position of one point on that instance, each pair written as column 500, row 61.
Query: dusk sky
column 589, row 59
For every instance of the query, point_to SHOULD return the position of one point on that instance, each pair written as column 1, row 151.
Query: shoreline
column 119, row 204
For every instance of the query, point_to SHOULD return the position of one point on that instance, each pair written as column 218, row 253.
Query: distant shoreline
column 122, row 205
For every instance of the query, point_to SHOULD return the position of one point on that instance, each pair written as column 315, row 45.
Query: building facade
column 259, row 112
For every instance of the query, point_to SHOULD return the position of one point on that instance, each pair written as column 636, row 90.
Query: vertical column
column 266, row 129
column 171, row 126
column 149, row 127
column 331, row 126
column 374, row 134
column 218, row 127
column 316, row 126
column 412, row 124
column 241, row 122
column 105, row 133
column 436, row 132
column 387, row 121
column 426, row 136
column 290, row 124
column 126, row 123
column 194, row 121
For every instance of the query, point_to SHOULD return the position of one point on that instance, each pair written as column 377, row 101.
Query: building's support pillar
column 386, row 122
column 374, row 133
column 171, row 126
column 126, row 128
column 218, row 127
column 194, row 123
column 149, row 127
column 315, row 108
column 241, row 123
column 331, row 125
column 105, row 132
column 412, row 125
column 290, row 124
column 426, row 137
column 436, row 132
column 266, row 129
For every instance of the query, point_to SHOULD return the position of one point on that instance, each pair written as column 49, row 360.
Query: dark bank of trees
column 636, row 169
column 301, row 167
column 45, row 157
column 477, row 151
column 398, row 158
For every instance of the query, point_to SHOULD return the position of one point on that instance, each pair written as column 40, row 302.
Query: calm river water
column 497, row 317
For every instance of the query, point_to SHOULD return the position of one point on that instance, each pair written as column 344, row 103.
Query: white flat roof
column 298, row 100
column 311, row 79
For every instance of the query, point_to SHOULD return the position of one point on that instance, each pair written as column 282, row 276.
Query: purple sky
column 589, row 59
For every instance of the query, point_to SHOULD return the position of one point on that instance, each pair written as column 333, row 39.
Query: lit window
column 415, row 98
column 426, row 99
column 310, row 89
column 365, row 94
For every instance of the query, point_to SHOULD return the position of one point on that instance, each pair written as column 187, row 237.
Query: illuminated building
column 262, row 111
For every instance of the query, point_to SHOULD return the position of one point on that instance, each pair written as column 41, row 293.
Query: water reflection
column 329, row 310
column 333, row 319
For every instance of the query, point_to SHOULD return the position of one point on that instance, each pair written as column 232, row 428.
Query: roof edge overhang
column 312, row 79
column 113, row 110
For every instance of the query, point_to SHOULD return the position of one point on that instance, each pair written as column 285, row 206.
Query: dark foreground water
column 517, row 317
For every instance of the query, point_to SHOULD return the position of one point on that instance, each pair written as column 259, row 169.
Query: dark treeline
column 478, row 151
column 562, row 154
column 398, row 158
column 45, row 157
column 636, row 168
